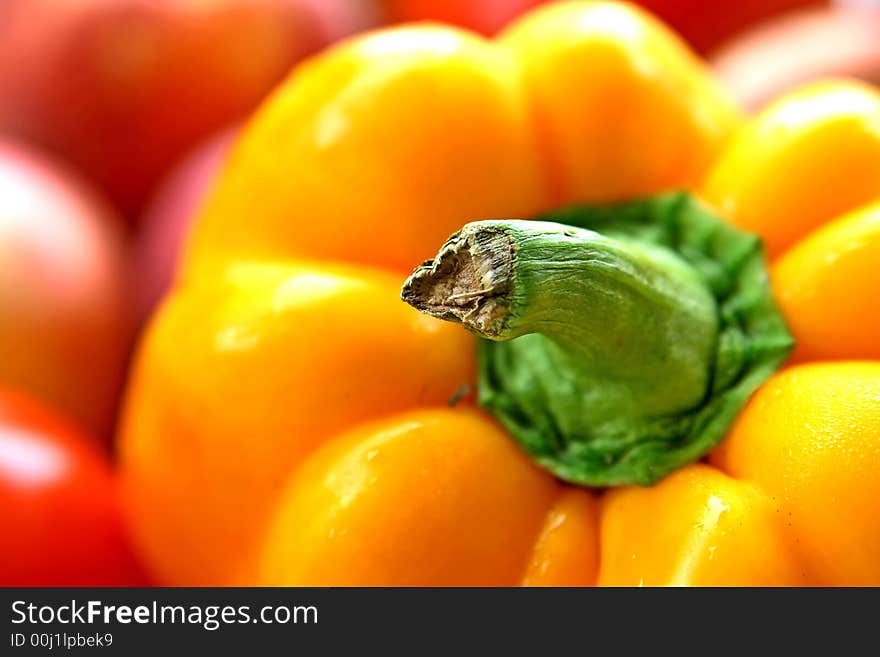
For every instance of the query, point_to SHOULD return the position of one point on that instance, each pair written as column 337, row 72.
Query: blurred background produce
column 62, row 523
column 704, row 23
column 121, row 88
column 64, row 320
column 775, row 56
column 115, row 117
column 167, row 216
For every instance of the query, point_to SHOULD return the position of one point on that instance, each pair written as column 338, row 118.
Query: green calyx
column 619, row 342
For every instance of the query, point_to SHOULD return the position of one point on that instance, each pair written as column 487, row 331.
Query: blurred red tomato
column 703, row 23
column 765, row 62
column 483, row 16
column 64, row 323
column 58, row 504
column 167, row 218
column 121, row 88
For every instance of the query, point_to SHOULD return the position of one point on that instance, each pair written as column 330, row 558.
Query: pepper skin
column 287, row 422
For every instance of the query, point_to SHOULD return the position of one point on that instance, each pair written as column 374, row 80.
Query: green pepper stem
column 616, row 356
column 632, row 314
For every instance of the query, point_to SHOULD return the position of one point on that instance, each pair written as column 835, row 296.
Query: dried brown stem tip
column 468, row 281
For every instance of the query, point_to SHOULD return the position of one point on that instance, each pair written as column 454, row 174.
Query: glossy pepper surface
column 289, row 420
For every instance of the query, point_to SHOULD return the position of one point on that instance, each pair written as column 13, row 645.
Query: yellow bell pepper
column 291, row 422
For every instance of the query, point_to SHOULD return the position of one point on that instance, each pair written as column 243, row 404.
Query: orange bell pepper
column 287, row 422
